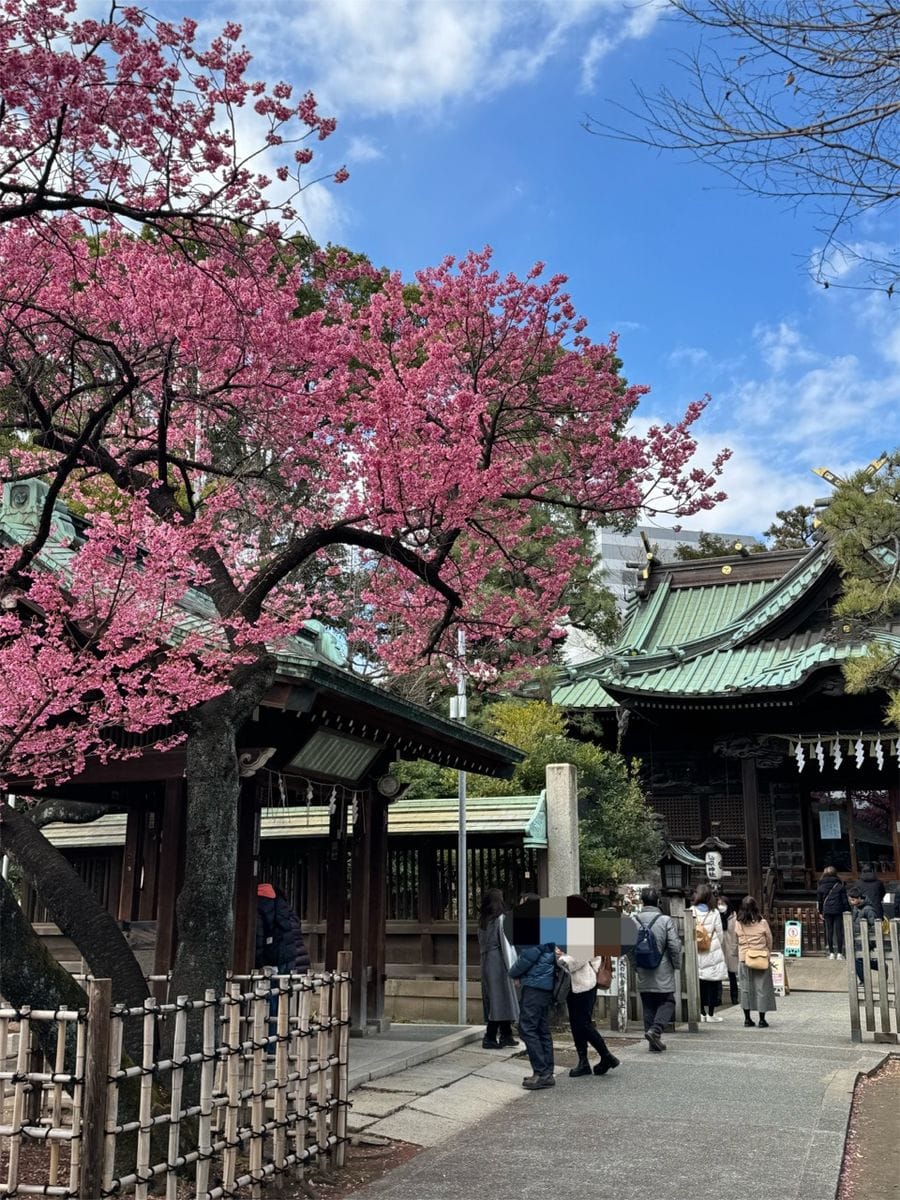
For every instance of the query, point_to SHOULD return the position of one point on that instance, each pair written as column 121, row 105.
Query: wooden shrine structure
column 726, row 682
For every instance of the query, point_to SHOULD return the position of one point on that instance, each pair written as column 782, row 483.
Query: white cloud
column 417, row 55
column 639, row 21
column 782, row 346
column 693, row 356
column 362, row 150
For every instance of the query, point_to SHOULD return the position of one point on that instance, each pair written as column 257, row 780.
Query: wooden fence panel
column 873, row 954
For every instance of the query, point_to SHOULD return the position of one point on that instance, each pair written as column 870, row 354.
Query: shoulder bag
column 604, row 973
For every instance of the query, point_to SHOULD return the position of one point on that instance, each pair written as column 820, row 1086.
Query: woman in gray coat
column 498, row 992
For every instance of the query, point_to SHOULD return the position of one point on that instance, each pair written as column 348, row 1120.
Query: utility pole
column 458, row 712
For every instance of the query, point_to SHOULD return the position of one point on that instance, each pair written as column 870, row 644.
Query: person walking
column 755, row 975
column 832, row 903
column 710, row 951
column 730, row 943
column 872, row 889
column 498, row 992
column 656, row 956
column 580, row 1003
column 535, row 968
column 864, row 914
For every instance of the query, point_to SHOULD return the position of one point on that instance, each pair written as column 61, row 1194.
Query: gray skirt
column 756, row 991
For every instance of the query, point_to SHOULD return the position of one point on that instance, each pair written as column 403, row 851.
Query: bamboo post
column 691, row 971
column 323, row 1022
column 342, row 1071
column 18, row 1106
column 895, row 965
column 177, row 1087
column 75, row 1157
column 884, row 1010
column 301, row 1126
column 145, row 1103
column 260, row 1012
column 207, row 1080
column 281, row 1075
column 852, row 981
column 232, row 1087
column 95, row 1093
column 59, row 1066
column 35, row 1096
column 4, row 1047
column 116, row 1040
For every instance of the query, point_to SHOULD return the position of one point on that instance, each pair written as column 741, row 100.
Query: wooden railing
column 877, row 953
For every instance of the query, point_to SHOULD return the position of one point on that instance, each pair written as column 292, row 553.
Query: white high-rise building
column 616, row 549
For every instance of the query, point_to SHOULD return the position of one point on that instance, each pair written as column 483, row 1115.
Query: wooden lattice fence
column 231, row 1091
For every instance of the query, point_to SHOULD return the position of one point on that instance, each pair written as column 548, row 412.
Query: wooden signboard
column 793, row 939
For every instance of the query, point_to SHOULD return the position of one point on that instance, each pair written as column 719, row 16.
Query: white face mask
column 723, row 908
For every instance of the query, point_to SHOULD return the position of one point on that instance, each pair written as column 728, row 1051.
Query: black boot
column 748, row 1020
column 763, row 1023
column 607, row 1063
column 582, row 1067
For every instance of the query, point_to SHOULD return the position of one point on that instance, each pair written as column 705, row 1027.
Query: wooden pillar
column 245, row 880
column 130, row 865
column 312, row 914
column 895, row 829
column 336, row 886
column 425, row 871
column 750, row 786
column 170, row 851
column 149, row 863
column 378, row 908
column 360, row 888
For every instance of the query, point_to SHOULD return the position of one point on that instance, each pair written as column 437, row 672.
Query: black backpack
column 648, row 953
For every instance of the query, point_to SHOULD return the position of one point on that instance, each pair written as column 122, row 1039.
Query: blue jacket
column 535, row 966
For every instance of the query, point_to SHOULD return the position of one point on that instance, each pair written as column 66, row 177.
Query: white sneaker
column 704, row 1017
column 831, row 956
column 841, row 957
column 715, row 1018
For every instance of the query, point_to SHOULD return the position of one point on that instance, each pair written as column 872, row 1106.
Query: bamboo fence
column 231, row 1092
column 879, row 961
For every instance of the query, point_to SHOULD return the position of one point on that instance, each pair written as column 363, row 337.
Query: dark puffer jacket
column 279, row 941
column 535, row 966
column 832, row 896
column 873, row 888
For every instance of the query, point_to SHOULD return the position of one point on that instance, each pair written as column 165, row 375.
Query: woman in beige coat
column 755, row 971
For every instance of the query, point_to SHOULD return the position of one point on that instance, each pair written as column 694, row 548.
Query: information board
column 778, row 974
column 829, row 825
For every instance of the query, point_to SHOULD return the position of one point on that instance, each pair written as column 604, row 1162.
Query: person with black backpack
column 656, row 956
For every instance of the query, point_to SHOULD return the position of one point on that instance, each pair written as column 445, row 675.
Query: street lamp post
column 458, row 711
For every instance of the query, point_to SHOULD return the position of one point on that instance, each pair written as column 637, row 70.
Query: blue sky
column 460, row 123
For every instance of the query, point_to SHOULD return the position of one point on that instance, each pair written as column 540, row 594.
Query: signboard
column 713, row 865
column 829, row 825
column 778, row 977
column 793, row 939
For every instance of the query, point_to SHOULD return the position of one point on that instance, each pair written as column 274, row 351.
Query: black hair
column 650, row 897
column 855, row 893
column 528, row 897
column 493, row 905
column 748, row 913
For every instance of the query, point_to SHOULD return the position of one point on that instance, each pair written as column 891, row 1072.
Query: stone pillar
column 562, row 830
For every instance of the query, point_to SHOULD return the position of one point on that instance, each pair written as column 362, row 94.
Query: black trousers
column 534, row 1027
column 581, row 1019
column 733, row 986
column 501, row 1028
column 709, row 995
column 659, row 1010
column 834, row 932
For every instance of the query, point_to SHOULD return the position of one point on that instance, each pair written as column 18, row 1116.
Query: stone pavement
column 753, row 1114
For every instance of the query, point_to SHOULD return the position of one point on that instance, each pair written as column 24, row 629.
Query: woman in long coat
column 755, row 982
column 711, row 961
column 498, row 992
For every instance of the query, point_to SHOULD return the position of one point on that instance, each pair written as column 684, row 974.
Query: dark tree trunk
column 31, row 977
column 74, row 907
column 204, row 911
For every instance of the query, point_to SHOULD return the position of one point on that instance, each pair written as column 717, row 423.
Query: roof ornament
column 819, row 752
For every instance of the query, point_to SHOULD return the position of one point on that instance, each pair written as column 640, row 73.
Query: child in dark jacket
column 864, row 919
column 535, row 968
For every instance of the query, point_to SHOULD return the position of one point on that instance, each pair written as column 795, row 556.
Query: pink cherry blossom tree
column 229, row 448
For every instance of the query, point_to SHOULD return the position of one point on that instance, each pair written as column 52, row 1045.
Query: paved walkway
column 750, row 1113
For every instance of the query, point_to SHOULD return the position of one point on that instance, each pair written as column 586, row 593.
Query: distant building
column 616, row 549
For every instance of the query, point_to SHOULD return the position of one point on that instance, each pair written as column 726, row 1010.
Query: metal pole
column 462, row 881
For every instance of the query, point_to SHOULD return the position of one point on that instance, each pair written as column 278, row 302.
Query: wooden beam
column 246, row 880
column 130, row 868
column 149, row 863
column 894, row 794
column 171, row 838
column 425, row 870
column 378, row 908
column 360, row 889
column 336, row 886
column 750, row 787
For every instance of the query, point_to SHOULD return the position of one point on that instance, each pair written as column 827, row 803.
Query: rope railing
column 227, row 1093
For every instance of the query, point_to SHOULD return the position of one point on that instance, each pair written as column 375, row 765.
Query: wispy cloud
column 418, row 55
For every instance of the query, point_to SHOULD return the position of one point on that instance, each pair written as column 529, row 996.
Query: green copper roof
column 708, row 639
